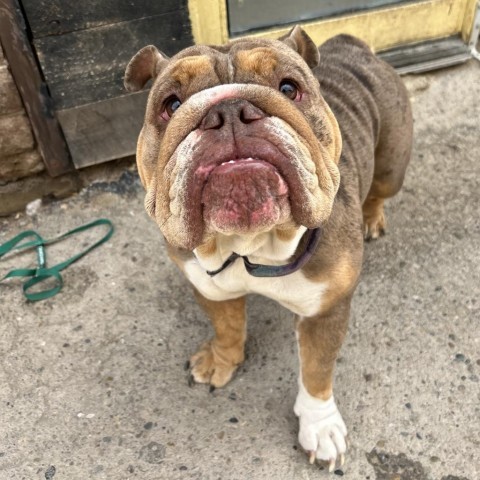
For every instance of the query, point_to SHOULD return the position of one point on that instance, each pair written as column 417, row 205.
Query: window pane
column 247, row 15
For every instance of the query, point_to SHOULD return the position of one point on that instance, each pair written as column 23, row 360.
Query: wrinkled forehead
column 255, row 57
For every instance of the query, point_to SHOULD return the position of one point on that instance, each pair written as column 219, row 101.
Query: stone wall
column 23, row 177
column 19, row 156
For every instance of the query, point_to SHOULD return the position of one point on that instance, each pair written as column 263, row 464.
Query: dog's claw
column 211, row 389
column 187, row 365
column 331, row 465
column 311, row 457
column 342, row 460
column 191, row 381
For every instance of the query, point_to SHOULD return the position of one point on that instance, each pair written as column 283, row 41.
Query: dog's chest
column 295, row 292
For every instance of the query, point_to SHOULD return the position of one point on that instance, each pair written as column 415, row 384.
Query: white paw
column 322, row 430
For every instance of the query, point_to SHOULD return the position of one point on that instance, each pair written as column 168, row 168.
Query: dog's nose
column 229, row 112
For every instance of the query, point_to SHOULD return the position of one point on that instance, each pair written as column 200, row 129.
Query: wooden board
column 427, row 55
column 104, row 130
column 87, row 66
column 56, row 17
column 33, row 89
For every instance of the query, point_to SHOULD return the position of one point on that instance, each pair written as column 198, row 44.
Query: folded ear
column 146, row 64
column 298, row 40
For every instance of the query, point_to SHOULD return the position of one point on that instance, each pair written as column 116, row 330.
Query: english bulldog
column 266, row 163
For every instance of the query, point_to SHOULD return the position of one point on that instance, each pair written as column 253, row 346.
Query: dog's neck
column 268, row 248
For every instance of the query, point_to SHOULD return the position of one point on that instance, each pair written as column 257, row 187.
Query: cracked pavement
column 93, row 382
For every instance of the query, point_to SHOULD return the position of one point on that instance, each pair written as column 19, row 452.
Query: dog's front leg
column 322, row 430
column 217, row 359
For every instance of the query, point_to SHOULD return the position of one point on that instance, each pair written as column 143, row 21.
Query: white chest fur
column 295, row 292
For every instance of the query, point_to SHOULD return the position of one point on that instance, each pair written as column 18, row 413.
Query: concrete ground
column 93, row 384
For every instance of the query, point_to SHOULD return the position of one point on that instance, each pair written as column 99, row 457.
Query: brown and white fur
column 240, row 167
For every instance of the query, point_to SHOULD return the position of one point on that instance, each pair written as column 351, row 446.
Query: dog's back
column 372, row 108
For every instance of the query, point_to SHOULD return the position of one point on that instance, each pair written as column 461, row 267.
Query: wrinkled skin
column 240, row 152
column 231, row 109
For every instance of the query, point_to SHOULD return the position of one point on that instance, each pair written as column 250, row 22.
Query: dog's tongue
column 244, row 194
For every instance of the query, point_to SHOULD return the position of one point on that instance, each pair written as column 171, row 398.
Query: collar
column 258, row 270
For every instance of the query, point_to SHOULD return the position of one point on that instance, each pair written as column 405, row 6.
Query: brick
column 16, row 195
column 20, row 165
column 9, row 98
column 15, row 135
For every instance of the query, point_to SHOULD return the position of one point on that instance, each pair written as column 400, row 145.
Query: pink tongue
column 243, row 195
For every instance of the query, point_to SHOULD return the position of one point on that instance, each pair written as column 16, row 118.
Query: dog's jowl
column 266, row 163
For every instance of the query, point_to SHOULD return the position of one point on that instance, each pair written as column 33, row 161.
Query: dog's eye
column 171, row 104
column 289, row 89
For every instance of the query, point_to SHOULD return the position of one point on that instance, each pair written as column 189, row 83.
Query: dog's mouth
column 244, row 194
column 241, row 178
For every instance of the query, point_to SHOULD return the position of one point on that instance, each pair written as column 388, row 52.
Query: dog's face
column 237, row 139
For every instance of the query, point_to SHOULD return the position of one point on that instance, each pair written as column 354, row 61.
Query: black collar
column 257, row 270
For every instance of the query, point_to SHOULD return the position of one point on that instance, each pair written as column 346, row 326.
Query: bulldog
column 266, row 163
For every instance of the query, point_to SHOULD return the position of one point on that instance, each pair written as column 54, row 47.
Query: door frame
column 420, row 21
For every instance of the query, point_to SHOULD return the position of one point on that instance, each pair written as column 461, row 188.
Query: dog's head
column 237, row 139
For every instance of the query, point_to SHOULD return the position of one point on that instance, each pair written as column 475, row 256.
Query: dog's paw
column 374, row 223
column 374, row 226
column 322, row 430
column 210, row 365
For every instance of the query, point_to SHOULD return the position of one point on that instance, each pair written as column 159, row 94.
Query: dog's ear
column 298, row 40
column 146, row 64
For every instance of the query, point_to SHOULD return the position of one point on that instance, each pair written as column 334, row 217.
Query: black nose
column 229, row 113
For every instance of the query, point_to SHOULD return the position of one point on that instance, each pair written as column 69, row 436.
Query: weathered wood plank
column 104, row 130
column 426, row 52
column 32, row 89
column 56, row 17
column 88, row 66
